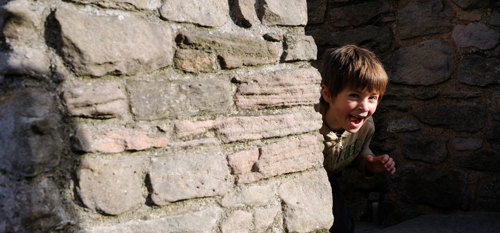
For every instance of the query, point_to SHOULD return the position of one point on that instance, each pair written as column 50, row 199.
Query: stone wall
column 160, row 116
column 440, row 116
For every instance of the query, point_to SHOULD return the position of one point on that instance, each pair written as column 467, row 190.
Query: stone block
column 476, row 35
column 243, row 161
column 274, row 12
column 103, row 99
column 117, row 139
column 495, row 18
column 446, row 116
column 427, row 63
column 202, row 174
column 442, row 188
column 316, row 10
column 472, row 4
column 493, row 137
column 356, row 14
column 234, row 50
column 466, row 144
column 252, row 127
column 25, row 60
column 204, row 221
column 186, row 128
column 238, row 221
column 280, row 88
column 377, row 39
column 421, row 18
column 250, row 195
column 264, row 217
column 430, row 149
column 124, row 4
column 245, row 12
column 159, row 99
column 488, row 193
column 494, row 106
column 310, row 191
column 299, row 47
column 211, row 13
column 30, row 140
column 476, row 70
column 111, row 185
column 402, row 125
column 119, row 43
column 483, row 160
column 195, row 61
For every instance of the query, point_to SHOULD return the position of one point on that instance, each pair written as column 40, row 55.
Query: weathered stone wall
column 160, row 116
column 440, row 116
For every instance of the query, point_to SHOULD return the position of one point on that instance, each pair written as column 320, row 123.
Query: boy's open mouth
column 355, row 120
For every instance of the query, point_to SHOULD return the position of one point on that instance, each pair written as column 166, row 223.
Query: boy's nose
column 363, row 106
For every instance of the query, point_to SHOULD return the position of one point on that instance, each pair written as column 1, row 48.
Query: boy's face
column 350, row 109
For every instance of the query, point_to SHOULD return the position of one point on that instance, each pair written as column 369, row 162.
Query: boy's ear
column 326, row 94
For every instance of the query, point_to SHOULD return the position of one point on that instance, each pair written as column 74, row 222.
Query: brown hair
column 353, row 67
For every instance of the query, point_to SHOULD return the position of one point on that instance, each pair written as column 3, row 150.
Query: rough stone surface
column 479, row 71
column 13, row 211
column 466, row 144
column 251, row 128
column 264, row 217
column 273, row 12
column 30, row 141
column 203, row 174
column 137, row 45
column 484, row 160
column 195, row 61
column 475, row 34
column 88, row 139
column 356, row 14
column 495, row 106
column 111, row 185
column 299, row 47
column 159, row 99
column 441, row 188
column 212, row 13
column 204, row 220
column 244, row 11
column 493, row 137
column 495, row 18
column 124, row 4
column 430, row 149
column 238, row 221
column 471, row 4
column 311, row 191
column 375, row 38
column 242, row 162
column 489, row 194
column 250, row 195
column 280, row 88
column 97, row 99
column 279, row 158
column 25, row 60
column 427, row 63
column 445, row 115
column 402, row 125
column 421, row 18
column 316, row 10
column 234, row 50
column 185, row 128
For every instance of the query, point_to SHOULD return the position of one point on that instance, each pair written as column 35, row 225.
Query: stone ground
column 469, row 222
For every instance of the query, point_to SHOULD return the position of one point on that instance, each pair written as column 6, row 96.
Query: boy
column 353, row 83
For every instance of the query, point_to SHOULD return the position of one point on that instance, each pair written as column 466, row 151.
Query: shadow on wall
column 440, row 117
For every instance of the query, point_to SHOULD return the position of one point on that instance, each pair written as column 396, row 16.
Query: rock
column 212, row 13
column 234, row 50
column 377, row 39
column 124, row 4
column 204, row 221
column 493, row 137
column 244, row 10
column 238, row 221
column 475, row 70
column 273, row 12
column 488, row 193
column 446, row 116
column 421, row 18
column 250, row 195
column 466, row 144
column 440, row 188
column 356, row 14
column 195, row 61
column 299, row 47
column 483, row 160
column 494, row 106
column 160, row 99
column 280, row 88
column 402, row 125
column 495, row 18
column 202, row 174
column 472, row 4
column 111, row 185
column 102, row 99
column 475, row 34
column 427, row 63
column 311, row 191
column 118, row 44
column 430, row 149
column 264, row 217
column 316, row 11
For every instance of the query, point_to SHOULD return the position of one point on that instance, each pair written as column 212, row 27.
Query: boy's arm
column 371, row 164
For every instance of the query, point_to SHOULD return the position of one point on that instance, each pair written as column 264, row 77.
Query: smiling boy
column 353, row 83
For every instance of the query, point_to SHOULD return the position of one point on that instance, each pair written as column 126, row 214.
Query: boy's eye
column 353, row 95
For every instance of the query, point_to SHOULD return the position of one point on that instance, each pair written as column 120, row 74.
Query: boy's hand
column 380, row 163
